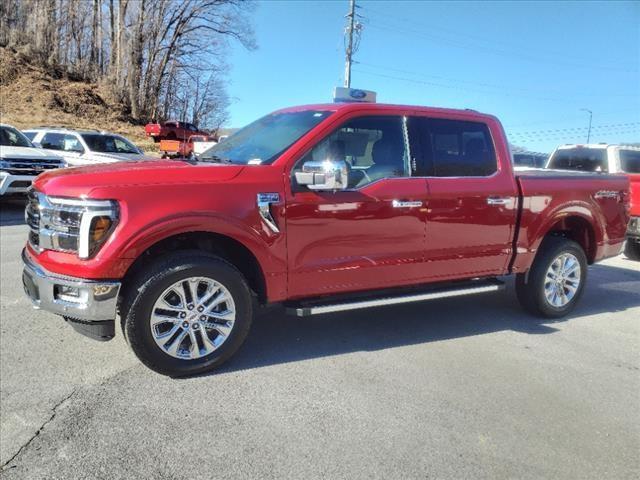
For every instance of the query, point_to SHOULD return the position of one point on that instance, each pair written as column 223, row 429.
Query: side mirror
column 327, row 175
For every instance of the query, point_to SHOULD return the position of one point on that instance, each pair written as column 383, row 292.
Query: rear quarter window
column 579, row 159
column 630, row 161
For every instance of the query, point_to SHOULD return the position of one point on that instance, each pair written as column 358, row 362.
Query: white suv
column 85, row 147
column 21, row 162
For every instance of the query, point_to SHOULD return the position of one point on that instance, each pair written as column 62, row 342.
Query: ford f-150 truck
column 323, row 208
column 601, row 157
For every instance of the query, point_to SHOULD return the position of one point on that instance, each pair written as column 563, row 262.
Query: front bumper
column 633, row 230
column 83, row 301
column 10, row 184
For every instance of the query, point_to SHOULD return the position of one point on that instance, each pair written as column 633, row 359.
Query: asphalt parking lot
column 470, row 388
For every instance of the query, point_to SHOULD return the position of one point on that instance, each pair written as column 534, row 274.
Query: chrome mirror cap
column 326, row 175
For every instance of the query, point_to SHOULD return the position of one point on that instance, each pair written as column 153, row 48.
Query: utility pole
column 590, row 118
column 349, row 51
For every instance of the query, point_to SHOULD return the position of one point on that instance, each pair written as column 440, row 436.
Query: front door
column 367, row 237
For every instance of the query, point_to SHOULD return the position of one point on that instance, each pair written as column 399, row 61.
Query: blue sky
column 533, row 64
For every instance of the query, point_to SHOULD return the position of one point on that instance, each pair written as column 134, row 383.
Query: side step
column 452, row 290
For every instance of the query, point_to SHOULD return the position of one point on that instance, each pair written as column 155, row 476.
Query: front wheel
column 556, row 280
column 632, row 249
column 187, row 314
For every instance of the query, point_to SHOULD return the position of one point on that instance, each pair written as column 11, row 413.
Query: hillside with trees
column 140, row 60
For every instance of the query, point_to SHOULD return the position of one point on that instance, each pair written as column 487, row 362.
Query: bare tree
column 161, row 57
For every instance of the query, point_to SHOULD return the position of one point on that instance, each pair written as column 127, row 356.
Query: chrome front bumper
column 10, row 184
column 77, row 298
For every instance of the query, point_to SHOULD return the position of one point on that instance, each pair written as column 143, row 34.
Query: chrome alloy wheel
column 192, row 318
column 562, row 280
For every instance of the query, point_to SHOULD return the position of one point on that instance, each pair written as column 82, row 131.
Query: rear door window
column 579, row 159
column 61, row 141
column 630, row 161
column 454, row 148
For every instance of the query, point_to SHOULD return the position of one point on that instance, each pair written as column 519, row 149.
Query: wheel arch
column 576, row 227
column 225, row 246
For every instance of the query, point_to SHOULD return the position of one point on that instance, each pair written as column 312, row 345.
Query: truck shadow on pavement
column 277, row 338
column 12, row 212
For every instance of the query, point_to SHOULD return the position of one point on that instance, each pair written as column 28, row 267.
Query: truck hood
column 120, row 157
column 634, row 190
column 80, row 181
column 26, row 153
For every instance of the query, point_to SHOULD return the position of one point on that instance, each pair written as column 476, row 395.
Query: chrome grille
column 32, row 218
column 29, row 166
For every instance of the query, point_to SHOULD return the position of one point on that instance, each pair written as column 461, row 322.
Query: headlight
column 69, row 224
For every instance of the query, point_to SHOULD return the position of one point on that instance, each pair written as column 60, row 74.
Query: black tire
column 143, row 291
column 530, row 287
column 632, row 249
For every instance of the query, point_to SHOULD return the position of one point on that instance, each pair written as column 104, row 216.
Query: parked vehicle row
column 324, row 208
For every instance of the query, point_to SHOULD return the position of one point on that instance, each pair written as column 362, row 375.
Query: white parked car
column 21, row 162
column 85, row 147
column 595, row 157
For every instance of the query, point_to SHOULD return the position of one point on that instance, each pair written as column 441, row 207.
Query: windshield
column 109, row 143
column 265, row 139
column 10, row 137
column 630, row 161
column 579, row 159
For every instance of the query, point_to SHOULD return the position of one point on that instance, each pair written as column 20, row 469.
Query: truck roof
column 360, row 106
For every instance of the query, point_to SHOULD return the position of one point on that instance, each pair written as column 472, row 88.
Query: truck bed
column 550, row 197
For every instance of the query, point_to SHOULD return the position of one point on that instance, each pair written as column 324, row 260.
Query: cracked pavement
column 469, row 388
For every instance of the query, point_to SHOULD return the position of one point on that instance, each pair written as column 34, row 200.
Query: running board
column 468, row 288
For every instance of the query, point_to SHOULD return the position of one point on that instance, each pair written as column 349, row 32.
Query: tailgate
column 170, row 146
column 634, row 190
column 152, row 129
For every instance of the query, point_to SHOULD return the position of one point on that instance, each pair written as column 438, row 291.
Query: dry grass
column 31, row 96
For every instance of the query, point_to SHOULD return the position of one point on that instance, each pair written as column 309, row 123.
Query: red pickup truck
column 172, row 131
column 324, row 208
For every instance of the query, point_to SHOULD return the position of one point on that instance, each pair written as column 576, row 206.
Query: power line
column 403, row 30
column 388, row 17
column 466, row 89
column 483, row 84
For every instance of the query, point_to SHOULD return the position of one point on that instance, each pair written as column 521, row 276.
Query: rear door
column 472, row 201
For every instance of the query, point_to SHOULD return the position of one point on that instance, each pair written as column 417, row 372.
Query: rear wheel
column 632, row 249
column 556, row 280
column 187, row 314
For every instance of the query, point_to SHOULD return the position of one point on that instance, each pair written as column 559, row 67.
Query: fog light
column 67, row 294
column 70, row 291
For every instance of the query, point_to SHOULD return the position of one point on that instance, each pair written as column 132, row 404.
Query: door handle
column 406, row 204
column 498, row 200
